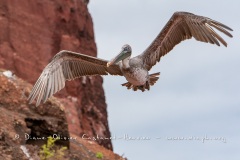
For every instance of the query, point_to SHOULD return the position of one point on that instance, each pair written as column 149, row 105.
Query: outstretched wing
column 180, row 27
column 67, row 65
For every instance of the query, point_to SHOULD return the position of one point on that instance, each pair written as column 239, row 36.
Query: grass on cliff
column 51, row 151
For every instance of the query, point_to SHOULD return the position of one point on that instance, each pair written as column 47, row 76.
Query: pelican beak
column 122, row 55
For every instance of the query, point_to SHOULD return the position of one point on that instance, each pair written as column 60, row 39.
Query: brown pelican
column 67, row 65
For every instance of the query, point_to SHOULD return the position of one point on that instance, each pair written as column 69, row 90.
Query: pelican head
column 125, row 52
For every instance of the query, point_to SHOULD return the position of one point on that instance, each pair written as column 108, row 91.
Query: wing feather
column 182, row 26
column 67, row 65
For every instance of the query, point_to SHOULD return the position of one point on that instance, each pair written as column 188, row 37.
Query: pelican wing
column 67, row 65
column 180, row 27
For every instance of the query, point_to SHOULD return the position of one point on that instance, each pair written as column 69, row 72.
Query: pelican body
column 133, row 70
column 68, row 65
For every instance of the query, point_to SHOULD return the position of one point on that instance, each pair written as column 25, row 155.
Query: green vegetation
column 49, row 150
column 99, row 155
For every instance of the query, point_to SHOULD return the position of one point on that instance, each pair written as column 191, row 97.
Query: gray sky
column 197, row 94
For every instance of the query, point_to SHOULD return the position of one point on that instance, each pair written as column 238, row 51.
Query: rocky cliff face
column 32, row 32
column 24, row 128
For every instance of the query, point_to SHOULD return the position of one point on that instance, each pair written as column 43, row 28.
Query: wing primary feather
column 216, row 35
column 56, row 79
column 197, row 35
column 193, row 31
column 59, row 78
column 48, row 91
column 62, row 78
column 212, row 36
column 75, row 69
column 70, row 70
column 45, row 95
column 209, row 36
column 53, row 82
column 221, row 29
column 39, row 98
column 65, row 65
column 205, row 38
column 64, row 70
column 222, row 25
column 52, row 85
column 67, row 70
column 36, row 89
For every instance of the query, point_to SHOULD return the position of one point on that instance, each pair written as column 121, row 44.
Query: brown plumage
column 67, row 65
column 182, row 26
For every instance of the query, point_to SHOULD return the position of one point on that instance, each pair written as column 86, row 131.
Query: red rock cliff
column 32, row 32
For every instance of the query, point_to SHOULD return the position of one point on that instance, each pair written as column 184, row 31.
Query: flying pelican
column 67, row 65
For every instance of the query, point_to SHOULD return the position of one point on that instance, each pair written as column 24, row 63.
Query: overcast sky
column 197, row 95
